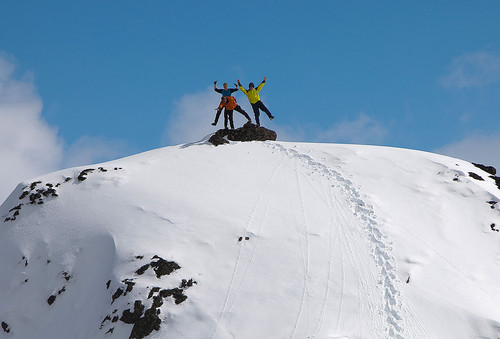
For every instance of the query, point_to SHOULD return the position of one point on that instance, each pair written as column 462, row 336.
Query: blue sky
column 82, row 82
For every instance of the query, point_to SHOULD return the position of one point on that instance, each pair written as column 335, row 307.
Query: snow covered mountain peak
column 256, row 239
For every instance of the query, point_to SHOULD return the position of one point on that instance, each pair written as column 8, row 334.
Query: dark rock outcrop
column 146, row 319
column 475, row 176
column 496, row 179
column 249, row 132
column 488, row 169
column 38, row 194
column 5, row 327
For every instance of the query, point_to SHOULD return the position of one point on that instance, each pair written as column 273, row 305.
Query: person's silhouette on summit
column 226, row 92
column 230, row 104
column 253, row 96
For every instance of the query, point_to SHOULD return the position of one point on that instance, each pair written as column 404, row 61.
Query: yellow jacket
column 253, row 94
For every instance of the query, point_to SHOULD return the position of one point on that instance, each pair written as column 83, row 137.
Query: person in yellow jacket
column 253, row 96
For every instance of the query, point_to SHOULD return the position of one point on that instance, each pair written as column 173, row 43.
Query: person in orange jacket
column 230, row 105
column 253, row 96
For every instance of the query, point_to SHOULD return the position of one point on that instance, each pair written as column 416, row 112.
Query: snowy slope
column 254, row 240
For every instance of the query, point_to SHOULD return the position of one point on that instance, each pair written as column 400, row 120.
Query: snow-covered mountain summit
column 254, row 240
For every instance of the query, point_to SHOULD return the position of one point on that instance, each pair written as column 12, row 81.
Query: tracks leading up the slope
column 350, row 244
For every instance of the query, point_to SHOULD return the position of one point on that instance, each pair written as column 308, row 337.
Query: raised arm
column 241, row 87
column 216, row 89
column 261, row 85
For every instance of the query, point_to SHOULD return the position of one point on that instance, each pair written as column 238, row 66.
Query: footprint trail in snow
column 378, row 242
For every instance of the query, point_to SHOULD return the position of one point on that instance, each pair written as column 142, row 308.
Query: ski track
column 380, row 245
column 154, row 215
column 250, row 261
column 305, row 254
column 225, row 309
column 346, row 241
column 327, row 199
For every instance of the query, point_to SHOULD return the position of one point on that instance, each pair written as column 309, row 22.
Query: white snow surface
column 283, row 240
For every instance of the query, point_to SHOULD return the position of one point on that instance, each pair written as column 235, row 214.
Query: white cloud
column 28, row 145
column 478, row 148
column 472, row 70
column 363, row 130
column 191, row 117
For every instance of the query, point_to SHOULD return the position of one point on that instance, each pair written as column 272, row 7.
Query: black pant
column 228, row 115
column 217, row 115
column 259, row 105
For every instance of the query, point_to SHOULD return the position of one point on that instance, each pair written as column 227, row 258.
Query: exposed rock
column 84, row 173
column 476, row 176
column 18, row 207
column 66, row 276
column 131, row 317
column 249, row 132
column 143, row 325
column 33, row 184
column 107, row 318
column 51, row 299
column 130, row 285
column 145, row 319
column 176, row 293
column 146, row 324
column 163, row 267
column 153, row 291
column 37, row 196
column 141, row 270
column 218, row 138
column 187, row 283
column 117, row 294
column 488, row 169
column 496, row 179
column 5, row 327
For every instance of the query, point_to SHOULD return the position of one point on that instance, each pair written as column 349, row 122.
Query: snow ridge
column 379, row 242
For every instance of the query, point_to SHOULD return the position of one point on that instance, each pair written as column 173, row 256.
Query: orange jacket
column 228, row 102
